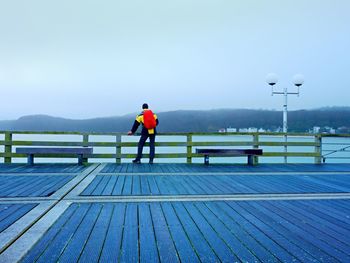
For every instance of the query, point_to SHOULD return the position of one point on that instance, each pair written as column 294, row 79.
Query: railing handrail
column 162, row 133
column 256, row 140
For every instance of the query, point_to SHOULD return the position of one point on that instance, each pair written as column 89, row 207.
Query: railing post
column 8, row 147
column 118, row 149
column 189, row 148
column 85, row 144
column 318, row 149
column 285, row 148
column 256, row 146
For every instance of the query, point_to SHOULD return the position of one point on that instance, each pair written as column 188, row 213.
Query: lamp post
column 272, row 80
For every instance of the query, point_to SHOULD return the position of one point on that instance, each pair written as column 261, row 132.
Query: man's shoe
column 150, row 161
column 136, row 161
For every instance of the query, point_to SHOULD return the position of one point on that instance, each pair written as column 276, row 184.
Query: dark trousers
column 143, row 139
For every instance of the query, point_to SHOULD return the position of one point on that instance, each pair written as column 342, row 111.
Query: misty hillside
column 191, row 121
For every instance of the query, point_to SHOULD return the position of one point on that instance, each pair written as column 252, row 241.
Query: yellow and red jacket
column 139, row 120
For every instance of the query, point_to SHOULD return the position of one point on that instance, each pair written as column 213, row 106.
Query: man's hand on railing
column 130, row 133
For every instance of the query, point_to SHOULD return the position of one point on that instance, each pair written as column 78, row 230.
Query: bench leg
column 80, row 159
column 206, row 159
column 250, row 159
column 30, row 159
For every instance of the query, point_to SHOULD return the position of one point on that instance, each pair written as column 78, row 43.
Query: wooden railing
column 273, row 144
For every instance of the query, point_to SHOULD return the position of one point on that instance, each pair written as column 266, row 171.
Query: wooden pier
column 175, row 213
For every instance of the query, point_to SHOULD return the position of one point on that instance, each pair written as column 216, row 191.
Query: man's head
column 145, row 106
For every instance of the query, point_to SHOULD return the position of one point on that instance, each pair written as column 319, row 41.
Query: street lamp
column 272, row 80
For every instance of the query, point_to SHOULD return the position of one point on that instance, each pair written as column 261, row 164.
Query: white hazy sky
column 84, row 58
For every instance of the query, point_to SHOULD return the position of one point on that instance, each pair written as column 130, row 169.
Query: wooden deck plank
column 95, row 241
column 326, row 224
column 327, row 212
column 17, row 186
column 118, row 188
column 101, row 185
column 110, row 185
column 130, row 242
column 237, row 228
column 304, row 231
column 127, row 188
column 263, row 223
column 179, row 226
column 204, row 251
column 10, row 209
column 145, row 187
column 46, row 240
column 56, row 246
column 221, row 249
column 209, row 184
column 324, row 233
column 169, row 232
column 92, row 186
column 242, row 252
column 286, row 229
column 75, row 245
column 154, row 189
column 148, row 245
column 136, row 185
column 13, row 213
column 279, row 252
column 182, row 243
column 112, row 246
column 166, row 247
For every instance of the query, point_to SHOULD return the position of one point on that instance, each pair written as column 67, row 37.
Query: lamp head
column 271, row 79
column 298, row 80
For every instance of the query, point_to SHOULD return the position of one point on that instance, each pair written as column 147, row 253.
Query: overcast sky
column 83, row 59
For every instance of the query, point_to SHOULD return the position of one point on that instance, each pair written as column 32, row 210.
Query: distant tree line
column 192, row 121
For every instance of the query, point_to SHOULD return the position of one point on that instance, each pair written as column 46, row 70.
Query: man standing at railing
column 149, row 121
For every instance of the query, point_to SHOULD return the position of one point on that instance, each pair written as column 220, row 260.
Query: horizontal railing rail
column 118, row 145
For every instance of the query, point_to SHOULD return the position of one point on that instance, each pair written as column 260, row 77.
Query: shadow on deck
column 175, row 212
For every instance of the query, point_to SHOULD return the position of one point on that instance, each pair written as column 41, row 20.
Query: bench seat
column 31, row 151
column 230, row 152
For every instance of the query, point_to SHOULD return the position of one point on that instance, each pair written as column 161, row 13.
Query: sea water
column 329, row 144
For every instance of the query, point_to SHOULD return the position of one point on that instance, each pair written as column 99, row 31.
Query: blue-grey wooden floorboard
column 23, row 186
column 148, row 245
column 331, row 244
column 301, row 229
column 41, row 168
column 93, row 247
column 235, row 226
column 118, row 187
column 262, row 222
column 240, row 251
column 175, row 168
column 204, row 251
column 10, row 213
column 166, row 246
column 266, row 231
column 279, row 252
column 321, row 223
column 46, row 240
column 110, row 185
column 75, row 246
column 58, row 244
column 224, row 253
column 112, row 246
column 284, row 228
column 182, row 243
column 130, row 242
column 209, row 184
column 328, row 213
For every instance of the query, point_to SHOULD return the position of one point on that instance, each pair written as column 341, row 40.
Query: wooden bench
column 230, row 152
column 31, row 151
